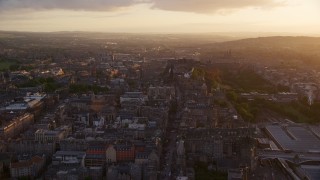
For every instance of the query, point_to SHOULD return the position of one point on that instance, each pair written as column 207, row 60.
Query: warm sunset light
column 160, row 89
column 161, row 16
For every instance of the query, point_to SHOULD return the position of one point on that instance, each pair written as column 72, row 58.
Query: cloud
column 197, row 6
column 88, row 5
column 210, row 6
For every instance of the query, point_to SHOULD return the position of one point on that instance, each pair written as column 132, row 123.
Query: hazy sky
column 295, row 16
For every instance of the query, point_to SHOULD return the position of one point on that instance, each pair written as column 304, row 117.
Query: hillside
column 271, row 49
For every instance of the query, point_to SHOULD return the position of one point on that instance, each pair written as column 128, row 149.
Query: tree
column 14, row 67
column 232, row 96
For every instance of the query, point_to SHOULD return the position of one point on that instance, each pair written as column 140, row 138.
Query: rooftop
column 295, row 138
column 313, row 172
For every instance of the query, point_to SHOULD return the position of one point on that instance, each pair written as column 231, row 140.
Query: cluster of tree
column 198, row 73
column 17, row 67
column 243, row 107
column 212, row 77
column 13, row 65
column 48, row 84
column 247, row 80
column 202, row 172
column 85, row 88
column 299, row 111
column 6, row 64
column 242, row 79
column 221, row 103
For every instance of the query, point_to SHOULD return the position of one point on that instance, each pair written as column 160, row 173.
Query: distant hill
column 272, row 49
column 295, row 50
column 276, row 41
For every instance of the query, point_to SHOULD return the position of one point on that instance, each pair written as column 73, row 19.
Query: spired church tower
column 171, row 73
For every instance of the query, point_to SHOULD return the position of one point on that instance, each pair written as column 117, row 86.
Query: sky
column 162, row 16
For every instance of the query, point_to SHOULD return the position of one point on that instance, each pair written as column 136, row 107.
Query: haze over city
column 160, row 89
column 294, row 17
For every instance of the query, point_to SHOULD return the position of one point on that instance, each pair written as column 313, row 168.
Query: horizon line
column 241, row 33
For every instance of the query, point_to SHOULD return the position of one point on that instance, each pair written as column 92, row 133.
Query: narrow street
column 169, row 148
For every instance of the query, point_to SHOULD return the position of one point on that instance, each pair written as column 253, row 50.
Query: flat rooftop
column 294, row 137
column 313, row 172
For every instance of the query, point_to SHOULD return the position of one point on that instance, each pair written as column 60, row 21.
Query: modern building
column 296, row 138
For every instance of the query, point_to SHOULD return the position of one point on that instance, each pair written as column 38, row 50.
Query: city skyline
column 155, row 16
